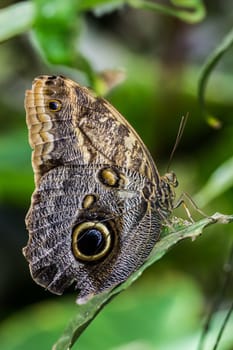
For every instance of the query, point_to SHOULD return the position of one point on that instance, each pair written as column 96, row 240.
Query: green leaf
column 207, row 69
column 194, row 12
column 55, row 29
column 87, row 312
column 16, row 19
column 56, row 33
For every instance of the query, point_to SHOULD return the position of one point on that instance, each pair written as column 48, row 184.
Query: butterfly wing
column 82, row 129
column 91, row 220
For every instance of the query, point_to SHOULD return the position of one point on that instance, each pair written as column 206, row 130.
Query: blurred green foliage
column 162, row 59
column 148, row 317
column 119, row 324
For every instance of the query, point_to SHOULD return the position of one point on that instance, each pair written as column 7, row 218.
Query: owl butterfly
column 99, row 201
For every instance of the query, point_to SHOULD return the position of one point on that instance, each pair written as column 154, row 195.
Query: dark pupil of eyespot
column 91, row 242
column 53, row 105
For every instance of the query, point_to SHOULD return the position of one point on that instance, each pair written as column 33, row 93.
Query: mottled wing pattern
column 85, row 130
column 92, row 220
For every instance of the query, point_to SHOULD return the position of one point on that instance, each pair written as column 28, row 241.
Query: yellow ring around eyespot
column 57, row 102
column 84, row 226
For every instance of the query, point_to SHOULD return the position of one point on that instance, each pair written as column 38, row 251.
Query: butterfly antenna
column 178, row 138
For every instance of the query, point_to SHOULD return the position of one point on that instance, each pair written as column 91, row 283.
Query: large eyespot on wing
column 87, row 233
column 92, row 241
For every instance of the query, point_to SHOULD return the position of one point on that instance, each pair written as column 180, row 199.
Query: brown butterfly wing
column 85, row 130
column 91, row 170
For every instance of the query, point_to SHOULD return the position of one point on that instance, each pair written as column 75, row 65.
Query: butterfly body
column 99, row 201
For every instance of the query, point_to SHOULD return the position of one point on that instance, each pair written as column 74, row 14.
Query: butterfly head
column 166, row 195
column 171, row 179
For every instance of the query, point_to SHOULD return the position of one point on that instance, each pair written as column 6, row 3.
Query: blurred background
column 161, row 58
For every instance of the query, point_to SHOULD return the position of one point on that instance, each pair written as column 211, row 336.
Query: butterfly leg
column 183, row 200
